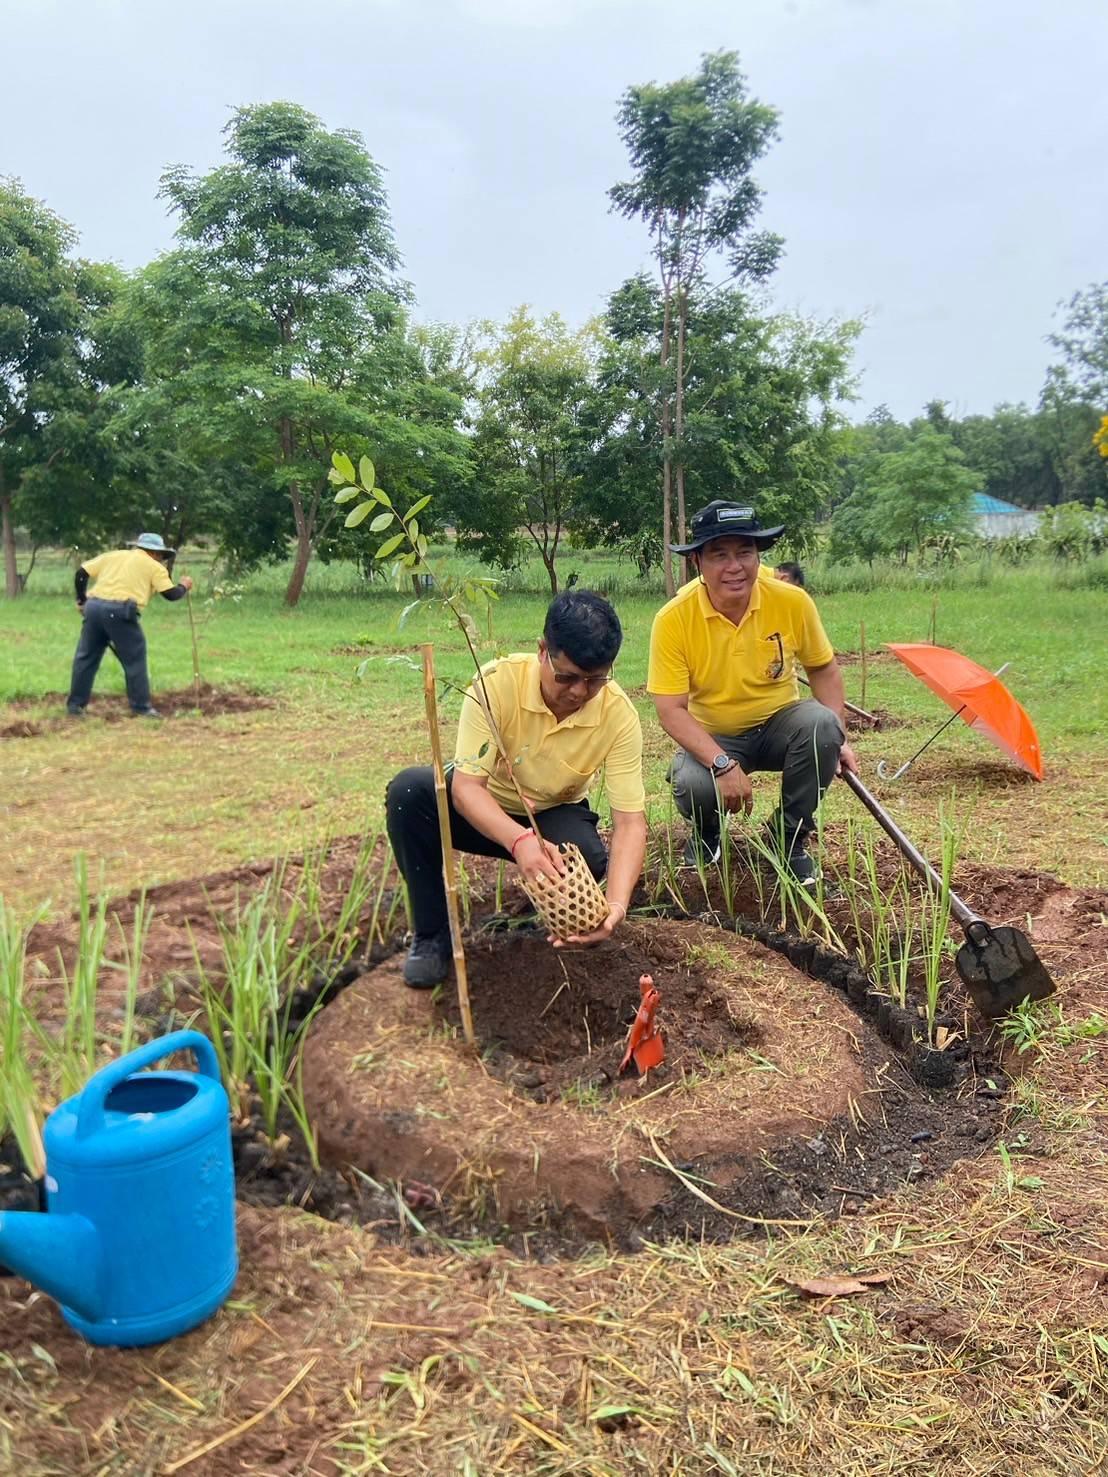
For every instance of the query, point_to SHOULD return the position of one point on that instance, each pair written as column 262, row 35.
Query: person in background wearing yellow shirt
column 125, row 581
column 723, row 676
column 562, row 714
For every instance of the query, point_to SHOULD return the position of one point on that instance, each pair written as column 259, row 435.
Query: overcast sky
column 941, row 170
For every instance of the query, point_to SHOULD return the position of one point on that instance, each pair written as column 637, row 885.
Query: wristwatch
column 721, row 763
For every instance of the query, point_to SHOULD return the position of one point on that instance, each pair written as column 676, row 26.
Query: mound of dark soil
column 214, row 701
column 572, row 1019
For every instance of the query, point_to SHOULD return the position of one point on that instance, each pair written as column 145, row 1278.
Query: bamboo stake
column 449, row 875
column 934, row 615
column 195, row 650
column 865, row 663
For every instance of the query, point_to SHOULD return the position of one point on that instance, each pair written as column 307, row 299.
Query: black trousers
column 412, row 818
column 113, row 623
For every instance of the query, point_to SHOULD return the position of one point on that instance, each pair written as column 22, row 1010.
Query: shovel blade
column 1000, row 968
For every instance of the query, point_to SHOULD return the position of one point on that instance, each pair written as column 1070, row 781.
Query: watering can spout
column 58, row 1253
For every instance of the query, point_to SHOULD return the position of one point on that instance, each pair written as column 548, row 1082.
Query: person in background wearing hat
column 723, row 676
column 559, row 710
column 125, row 581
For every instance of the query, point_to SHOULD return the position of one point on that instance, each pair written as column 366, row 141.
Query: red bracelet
column 518, row 839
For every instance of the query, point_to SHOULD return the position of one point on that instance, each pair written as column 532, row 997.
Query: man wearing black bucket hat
column 723, row 675
column 125, row 581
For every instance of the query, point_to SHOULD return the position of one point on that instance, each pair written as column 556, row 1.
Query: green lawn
column 155, row 802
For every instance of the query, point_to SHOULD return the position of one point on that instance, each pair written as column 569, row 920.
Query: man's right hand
column 80, row 607
column 186, row 580
column 537, row 858
column 735, row 790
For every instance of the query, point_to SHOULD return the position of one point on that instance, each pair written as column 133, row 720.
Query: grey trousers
column 802, row 741
column 113, row 623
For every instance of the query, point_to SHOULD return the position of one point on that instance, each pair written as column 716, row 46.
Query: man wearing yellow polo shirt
column 563, row 719
column 126, row 580
column 723, row 675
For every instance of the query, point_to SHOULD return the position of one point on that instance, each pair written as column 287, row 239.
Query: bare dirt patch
column 522, row 1140
column 310, row 1302
column 214, row 702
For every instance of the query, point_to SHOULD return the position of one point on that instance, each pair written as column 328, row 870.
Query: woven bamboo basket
column 574, row 904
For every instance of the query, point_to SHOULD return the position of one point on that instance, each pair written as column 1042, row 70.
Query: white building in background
column 993, row 518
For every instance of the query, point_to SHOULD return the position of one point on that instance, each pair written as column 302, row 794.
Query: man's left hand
column 616, row 914
column 848, row 760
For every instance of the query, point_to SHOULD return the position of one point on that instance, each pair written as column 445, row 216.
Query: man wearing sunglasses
column 562, row 719
column 723, row 675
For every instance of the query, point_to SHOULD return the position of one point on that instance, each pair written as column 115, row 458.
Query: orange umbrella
column 979, row 696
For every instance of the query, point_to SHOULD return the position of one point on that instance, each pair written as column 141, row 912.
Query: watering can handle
column 90, row 1115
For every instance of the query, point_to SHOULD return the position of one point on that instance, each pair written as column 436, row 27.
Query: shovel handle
column 965, row 915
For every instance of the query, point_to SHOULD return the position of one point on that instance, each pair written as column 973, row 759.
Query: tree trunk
column 548, row 560
column 303, row 525
column 303, row 548
column 667, row 466
column 12, row 586
column 679, row 425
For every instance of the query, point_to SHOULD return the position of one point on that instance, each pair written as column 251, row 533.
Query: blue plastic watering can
column 138, row 1242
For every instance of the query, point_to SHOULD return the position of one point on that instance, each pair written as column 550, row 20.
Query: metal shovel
column 998, row 965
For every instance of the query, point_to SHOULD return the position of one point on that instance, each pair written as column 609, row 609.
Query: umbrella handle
column 883, row 770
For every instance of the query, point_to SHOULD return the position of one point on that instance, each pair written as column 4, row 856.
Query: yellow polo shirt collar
column 736, row 676
column 532, row 699
column 555, row 763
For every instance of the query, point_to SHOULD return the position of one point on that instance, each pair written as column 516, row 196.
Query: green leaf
column 366, row 472
column 348, row 494
column 611, row 1412
column 389, row 546
column 382, row 496
column 359, row 514
column 413, row 531
column 1029, row 1182
column 535, row 1304
column 406, row 612
column 335, row 476
column 417, row 507
column 421, row 545
column 343, row 466
column 382, row 521
column 483, row 750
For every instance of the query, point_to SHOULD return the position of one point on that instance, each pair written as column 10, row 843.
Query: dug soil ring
column 537, row 1128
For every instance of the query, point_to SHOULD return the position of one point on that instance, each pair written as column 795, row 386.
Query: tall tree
column 534, row 378
column 1082, row 342
column 762, row 415
column 40, row 322
column 693, row 144
column 922, row 491
column 289, row 261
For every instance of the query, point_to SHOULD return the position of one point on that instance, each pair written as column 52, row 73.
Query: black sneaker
column 145, row 713
column 74, row 712
column 798, row 862
column 428, row 961
column 700, row 851
column 802, row 867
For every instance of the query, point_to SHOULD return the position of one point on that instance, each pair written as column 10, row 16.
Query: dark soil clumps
column 182, row 703
column 550, row 1019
